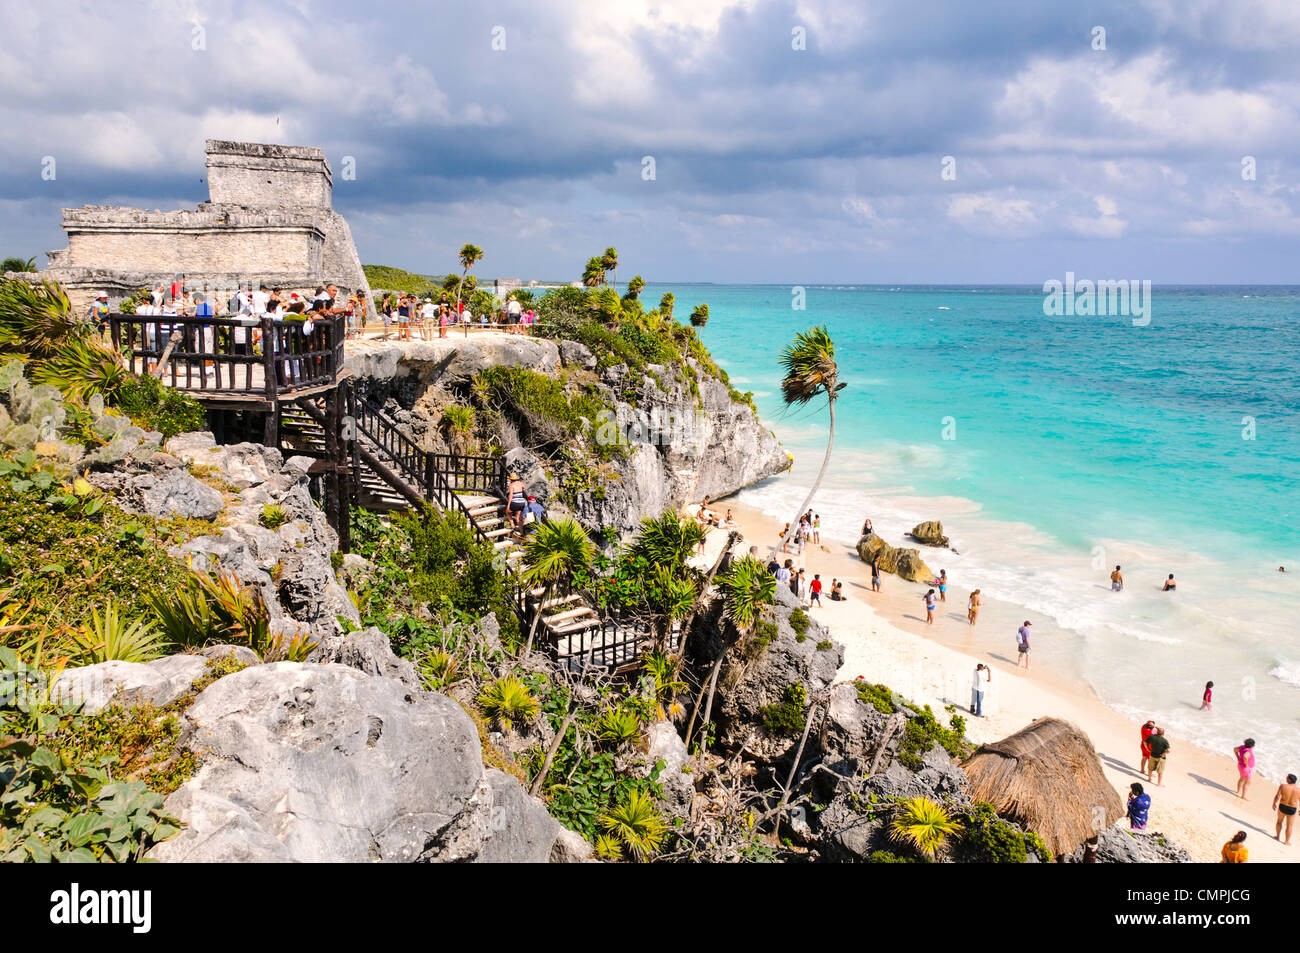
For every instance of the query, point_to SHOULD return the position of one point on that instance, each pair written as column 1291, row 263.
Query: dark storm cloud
column 771, row 162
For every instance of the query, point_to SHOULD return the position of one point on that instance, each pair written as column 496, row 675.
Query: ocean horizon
column 1053, row 448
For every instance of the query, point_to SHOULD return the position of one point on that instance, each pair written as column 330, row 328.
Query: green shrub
column 988, row 839
column 153, row 406
column 825, row 645
column 799, row 621
column 508, row 702
column 881, row 697
column 273, row 516
column 545, row 412
column 787, row 718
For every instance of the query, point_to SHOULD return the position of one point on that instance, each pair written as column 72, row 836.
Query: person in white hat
column 98, row 313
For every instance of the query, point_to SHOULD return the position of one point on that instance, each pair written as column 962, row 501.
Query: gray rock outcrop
column 1119, row 845
column 930, row 533
column 324, row 763
column 367, row 651
column 904, row 563
column 129, row 684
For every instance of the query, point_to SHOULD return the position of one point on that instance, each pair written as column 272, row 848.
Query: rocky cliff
column 681, row 443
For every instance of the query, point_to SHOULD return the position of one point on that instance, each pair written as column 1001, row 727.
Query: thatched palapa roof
column 1047, row 777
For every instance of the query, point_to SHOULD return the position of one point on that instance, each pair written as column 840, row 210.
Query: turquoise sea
column 1053, row 448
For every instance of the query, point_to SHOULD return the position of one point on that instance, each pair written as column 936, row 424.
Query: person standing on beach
column 1148, row 730
column 875, row 573
column 942, row 582
column 1116, row 581
column 1022, row 645
column 1207, row 698
column 817, row 528
column 929, row 607
column 1139, row 803
column 1234, row 852
column 815, row 591
column 801, row 588
column 973, row 606
column 1159, row 746
column 983, row 676
column 1245, row 753
column 1286, row 801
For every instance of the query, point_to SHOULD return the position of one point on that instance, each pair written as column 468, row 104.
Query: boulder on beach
column 904, row 563
column 930, row 533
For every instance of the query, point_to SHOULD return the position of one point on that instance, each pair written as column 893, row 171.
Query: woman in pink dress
column 1245, row 753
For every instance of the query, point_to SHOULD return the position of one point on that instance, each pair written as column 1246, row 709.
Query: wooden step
column 580, row 625
column 477, row 500
column 568, row 614
column 560, row 601
column 498, row 532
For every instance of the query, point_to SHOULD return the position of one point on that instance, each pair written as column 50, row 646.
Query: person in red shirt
column 1148, row 730
column 815, row 591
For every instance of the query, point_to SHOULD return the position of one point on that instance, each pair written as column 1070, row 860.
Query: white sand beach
column 887, row 641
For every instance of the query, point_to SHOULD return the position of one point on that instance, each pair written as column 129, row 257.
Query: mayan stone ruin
column 269, row 219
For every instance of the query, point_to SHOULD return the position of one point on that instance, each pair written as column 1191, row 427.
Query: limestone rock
column 129, row 684
column 930, row 533
column 571, row 848
column 576, row 354
column 323, row 763
column 904, row 563
column 175, row 492
column 367, row 651
column 1119, row 845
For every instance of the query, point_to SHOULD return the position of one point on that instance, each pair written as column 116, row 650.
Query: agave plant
column 618, row 726
column 438, row 668
column 637, row 825
column 608, row 847
column 110, row 636
column 206, row 609
column 924, row 824
column 506, row 701
column 81, row 368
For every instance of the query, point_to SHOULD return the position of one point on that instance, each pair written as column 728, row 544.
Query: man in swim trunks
column 1170, row 585
column 1285, row 802
column 875, row 573
column 1159, row 746
column 1116, row 580
column 943, row 585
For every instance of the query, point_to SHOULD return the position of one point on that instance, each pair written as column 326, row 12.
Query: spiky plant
column 507, row 701
column 609, row 262
column 667, row 539
column 438, row 668
column 810, row 373
column 36, row 318
column 240, row 609
column 924, row 824
column 747, row 589
column 110, row 636
column 661, row 670
column 608, row 847
column 637, row 825
column 618, row 726
column 273, row 516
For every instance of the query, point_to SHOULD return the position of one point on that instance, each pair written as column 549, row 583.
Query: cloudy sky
column 771, row 163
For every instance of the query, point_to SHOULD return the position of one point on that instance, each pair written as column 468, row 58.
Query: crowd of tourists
column 411, row 318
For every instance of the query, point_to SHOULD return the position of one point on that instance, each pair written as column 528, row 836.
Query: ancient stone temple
column 269, row 219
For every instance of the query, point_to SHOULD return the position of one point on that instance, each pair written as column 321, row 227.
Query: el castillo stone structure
column 269, row 219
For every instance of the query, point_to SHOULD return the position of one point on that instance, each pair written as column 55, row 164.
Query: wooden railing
column 471, row 473
column 254, row 356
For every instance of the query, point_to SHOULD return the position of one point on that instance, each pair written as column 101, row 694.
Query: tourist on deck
column 99, row 311
column 428, row 314
column 186, row 306
column 261, row 298
column 1245, row 753
column 1139, row 804
column 444, row 318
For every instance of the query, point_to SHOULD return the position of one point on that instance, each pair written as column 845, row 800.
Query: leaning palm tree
column 469, row 255
column 609, row 262
column 811, row 372
column 635, row 287
column 593, row 276
column 666, row 304
column 747, row 590
column 557, row 550
column 700, row 316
